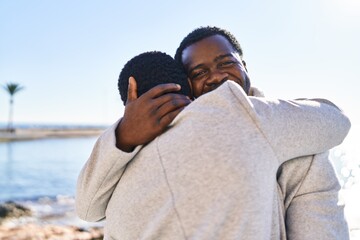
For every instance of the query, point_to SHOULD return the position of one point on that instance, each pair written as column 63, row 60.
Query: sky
column 68, row 54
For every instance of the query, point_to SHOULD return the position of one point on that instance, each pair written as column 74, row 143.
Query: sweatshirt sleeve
column 99, row 176
column 296, row 128
column 314, row 211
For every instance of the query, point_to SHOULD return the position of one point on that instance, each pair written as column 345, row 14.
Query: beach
column 45, row 218
column 49, row 216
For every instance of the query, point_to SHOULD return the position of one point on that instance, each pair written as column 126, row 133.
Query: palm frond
column 12, row 88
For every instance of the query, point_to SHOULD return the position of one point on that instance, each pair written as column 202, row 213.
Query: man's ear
column 244, row 63
column 191, row 89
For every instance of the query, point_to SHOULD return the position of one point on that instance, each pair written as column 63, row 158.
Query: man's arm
column 312, row 209
column 99, row 176
column 145, row 118
column 148, row 116
column 298, row 127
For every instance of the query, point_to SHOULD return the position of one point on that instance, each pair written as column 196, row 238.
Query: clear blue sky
column 68, row 54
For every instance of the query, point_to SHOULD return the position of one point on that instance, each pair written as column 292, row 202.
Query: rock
column 33, row 228
column 13, row 210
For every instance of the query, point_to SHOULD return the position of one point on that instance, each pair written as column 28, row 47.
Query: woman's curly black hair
column 151, row 69
column 204, row 32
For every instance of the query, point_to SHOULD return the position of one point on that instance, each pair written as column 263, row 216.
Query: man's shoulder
column 228, row 99
column 226, row 92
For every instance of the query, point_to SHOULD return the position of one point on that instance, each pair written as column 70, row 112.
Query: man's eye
column 197, row 74
column 227, row 63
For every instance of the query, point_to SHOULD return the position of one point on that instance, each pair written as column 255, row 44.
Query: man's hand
column 147, row 117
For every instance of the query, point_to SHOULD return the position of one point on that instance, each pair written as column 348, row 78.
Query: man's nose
column 216, row 78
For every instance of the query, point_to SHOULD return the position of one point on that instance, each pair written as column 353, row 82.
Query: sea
column 42, row 175
column 47, row 167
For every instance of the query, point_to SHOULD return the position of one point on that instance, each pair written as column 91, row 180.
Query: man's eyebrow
column 218, row 58
column 196, row 67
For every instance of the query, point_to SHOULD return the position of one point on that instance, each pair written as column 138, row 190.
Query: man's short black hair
column 151, row 69
column 204, row 32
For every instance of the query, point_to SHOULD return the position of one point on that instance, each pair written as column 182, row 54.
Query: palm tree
column 12, row 88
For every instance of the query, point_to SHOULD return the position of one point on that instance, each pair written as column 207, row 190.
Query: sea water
column 42, row 175
column 38, row 168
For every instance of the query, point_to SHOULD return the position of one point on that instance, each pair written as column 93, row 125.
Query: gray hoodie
column 213, row 173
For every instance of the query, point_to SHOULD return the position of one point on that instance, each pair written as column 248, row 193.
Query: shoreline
column 50, row 218
column 23, row 134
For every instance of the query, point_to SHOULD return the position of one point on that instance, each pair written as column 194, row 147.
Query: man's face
column 212, row 61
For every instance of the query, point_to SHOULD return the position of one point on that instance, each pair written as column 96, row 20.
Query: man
column 223, row 189
column 207, row 69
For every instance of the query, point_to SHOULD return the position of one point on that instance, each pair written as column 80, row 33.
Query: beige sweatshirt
column 213, row 174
